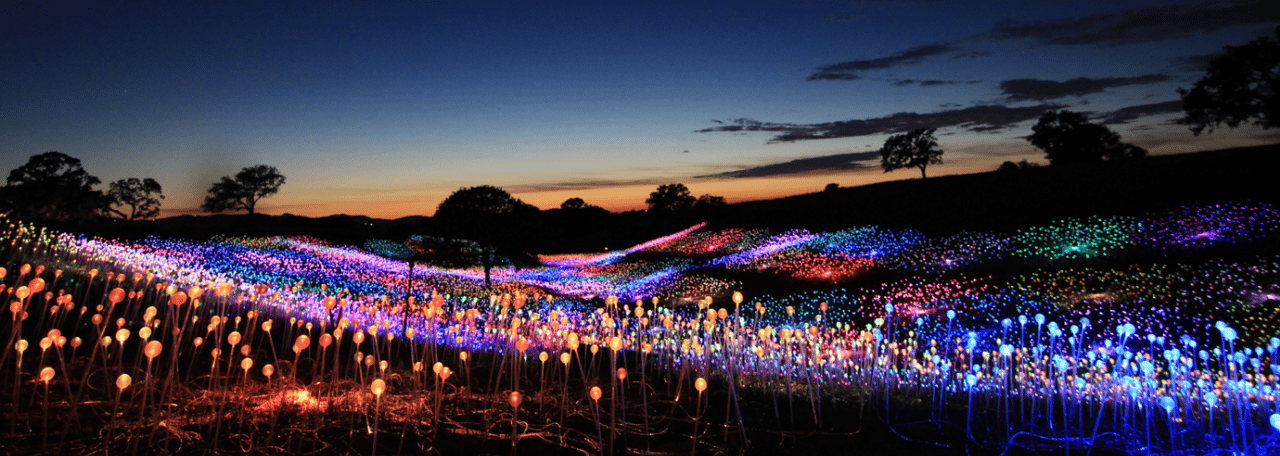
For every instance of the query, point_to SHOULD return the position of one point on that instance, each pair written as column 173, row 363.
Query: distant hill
column 1006, row 200
column 341, row 229
column 990, row 201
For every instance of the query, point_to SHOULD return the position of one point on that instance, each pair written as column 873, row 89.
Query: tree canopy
column 709, row 201
column 1068, row 137
column 915, row 149
column 1241, row 85
column 251, row 184
column 471, row 210
column 485, row 214
column 140, row 197
column 52, row 186
column 670, row 197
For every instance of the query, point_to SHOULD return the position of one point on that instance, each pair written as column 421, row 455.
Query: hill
column 990, row 201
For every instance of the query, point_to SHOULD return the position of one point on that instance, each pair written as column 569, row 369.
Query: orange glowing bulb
column 325, row 340
column 622, row 373
column 267, row 370
column 303, row 342
column 246, row 364
column 123, row 381
column 514, row 399
column 565, row 358
column 46, row 374
column 377, row 387
column 595, row 393
column 700, row 385
column 437, row 368
column 153, row 349
column 462, row 356
column 122, row 335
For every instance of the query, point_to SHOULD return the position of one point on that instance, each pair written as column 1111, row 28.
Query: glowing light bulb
column 153, row 349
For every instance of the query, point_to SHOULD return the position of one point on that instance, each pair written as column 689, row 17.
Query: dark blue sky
column 383, row 108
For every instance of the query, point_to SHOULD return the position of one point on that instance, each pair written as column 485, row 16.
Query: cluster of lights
column 1163, row 345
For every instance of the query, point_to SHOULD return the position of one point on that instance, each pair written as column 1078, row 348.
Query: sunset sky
column 384, row 108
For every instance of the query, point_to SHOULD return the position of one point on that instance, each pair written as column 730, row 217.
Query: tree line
column 1240, row 86
column 55, row 187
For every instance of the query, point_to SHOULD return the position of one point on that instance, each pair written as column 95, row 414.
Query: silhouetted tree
column 709, row 202
column 141, row 197
column 915, row 149
column 1068, row 137
column 831, row 187
column 52, row 186
column 487, row 215
column 1024, row 164
column 670, row 197
column 1241, row 85
column 251, row 184
column 573, row 203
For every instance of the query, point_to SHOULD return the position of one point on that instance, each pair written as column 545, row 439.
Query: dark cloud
column 851, row 70
column 837, row 162
column 1040, row 89
column 925, row 82
column 580, row 185
column 1155, row 23
column 971, row 118
column 1131, row 113
column 1195, row 63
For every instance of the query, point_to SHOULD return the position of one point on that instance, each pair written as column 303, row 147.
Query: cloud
column 974, row 118
column 929, row 82
column 1131, row 113
column 837, row 162
column 1196, row 63
column 851, row 70
column 1155, row 23
column 580, row 185
column 1040, row 89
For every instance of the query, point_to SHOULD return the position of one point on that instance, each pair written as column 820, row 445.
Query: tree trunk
column 488, row 265
column 922, row 176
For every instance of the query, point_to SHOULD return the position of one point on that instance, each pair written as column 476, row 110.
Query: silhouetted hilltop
column 996, row 200
column 1007, row 200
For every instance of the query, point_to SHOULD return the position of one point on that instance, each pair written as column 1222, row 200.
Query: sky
column 384, row 108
